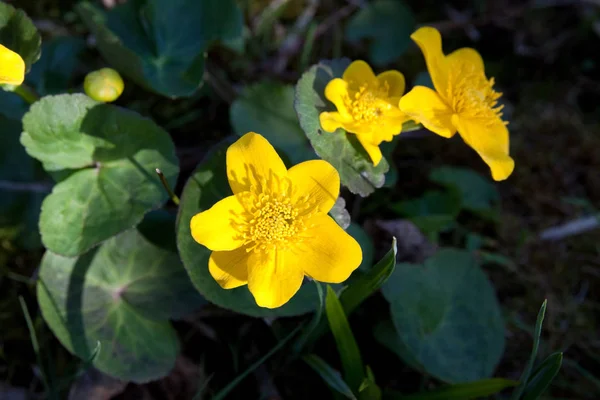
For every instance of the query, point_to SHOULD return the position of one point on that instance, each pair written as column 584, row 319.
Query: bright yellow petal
column 359, row 73
column 215, row 227
column 229, row 268
column 250, row 158
column 331, row 254
column 336, row 91
column 490, row 141
column 274, row 277
column 372, row 149
column 425, row 106
column 430, row 42
column 318, row 180
column 12, row 67
column 466, row 56
column 330, row 121
column 395, row 82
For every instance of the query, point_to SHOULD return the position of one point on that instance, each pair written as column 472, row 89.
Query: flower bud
column 105, row 85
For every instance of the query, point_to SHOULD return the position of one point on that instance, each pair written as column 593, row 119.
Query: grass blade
column 462, row 391
column 314, row 323
column 331, row 376
column 354, row 373
column 536, row 344
column 543, row 376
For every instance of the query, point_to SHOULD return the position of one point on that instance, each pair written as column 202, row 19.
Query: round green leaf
column 160, row 44
column 447, row 316
column 120, row 294
column 117, row 152
column 18, row 33
column 207, row 185
column 268, row 108
column 339, row 148
column 388, row 25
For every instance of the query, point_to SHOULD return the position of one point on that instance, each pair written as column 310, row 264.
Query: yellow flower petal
column 229, row 268
column 251, row 158
column 215, row 227
column 359, row 73
column 330, row 121
column 274, row 277
column 430, row 42
column 467, row 56
column 331, row 254
column 336, row 91
column 319, row 180
column 426, row 106
column 394, row 80
column 490, row 141
column 371, row 148
column 12, row 67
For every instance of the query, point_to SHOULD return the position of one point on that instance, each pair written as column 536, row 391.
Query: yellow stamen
column 367, row 103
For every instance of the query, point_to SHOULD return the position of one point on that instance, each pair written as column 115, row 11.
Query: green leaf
column 115, row 152
column 536, row 344
column 385, row 333
column 478, row 194
column 207, row 185
column 18, row 33
column 268, row 108
column 447, row 315
column 340, row 214
column 542, row 377
column 354, row 372
column 120, row 294
column 160, row 44
column 433, row 212
column 331, row 377
column 463, row 391
column 339, row 148
column 388, row 25
column 366, row 244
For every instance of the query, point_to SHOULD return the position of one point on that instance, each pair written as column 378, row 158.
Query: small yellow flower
column 465, row 101
column 105, row 85
column 274, row 230
column 367, row 105
column 12, row 67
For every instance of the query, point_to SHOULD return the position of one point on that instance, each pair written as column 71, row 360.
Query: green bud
column 104, row 85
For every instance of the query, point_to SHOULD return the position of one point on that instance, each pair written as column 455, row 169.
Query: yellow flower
column 12, row 67
column 105, row 85
column 367, row 105
column 465, row 101
column 274, row 230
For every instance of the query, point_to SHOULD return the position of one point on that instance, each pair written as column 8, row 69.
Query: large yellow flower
column 12, row 67
column 274, row 230
column 465, row 101
column 367, row 105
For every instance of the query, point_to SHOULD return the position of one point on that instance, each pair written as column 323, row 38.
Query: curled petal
column 467, row 56
column 394, row 80
column 274, row 277
column 229, row 268
column 430, row 42
column 427, row 107
column 336, row 91
column 12, row 67
column 330, row 121
column 318, row 180
column 329, row 254
column 252, row 159
column 371, row 148
column 215, row 228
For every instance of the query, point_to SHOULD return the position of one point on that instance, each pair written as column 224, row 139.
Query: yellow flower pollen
column 366, row 103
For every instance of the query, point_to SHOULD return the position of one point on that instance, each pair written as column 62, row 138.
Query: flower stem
column 27, row 93
column 164, row 182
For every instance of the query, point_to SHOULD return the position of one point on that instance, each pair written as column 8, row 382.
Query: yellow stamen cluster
column 366, row 104
column 472, row 93
column 272, row 218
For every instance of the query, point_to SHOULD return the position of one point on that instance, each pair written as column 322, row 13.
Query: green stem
column 27, row 93
column 164, row 182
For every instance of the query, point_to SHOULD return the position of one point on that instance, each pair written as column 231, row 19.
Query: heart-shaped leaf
column 18, row 33
column 207, row 185
column 120, row 294
column 447, row 316
column 268, row 108
column 339, row 148
column 160, row 44
column 114, row 154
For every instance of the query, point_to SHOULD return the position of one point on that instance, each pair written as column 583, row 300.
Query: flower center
column 367, row 103
column 472, row 94
column 273, row 217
